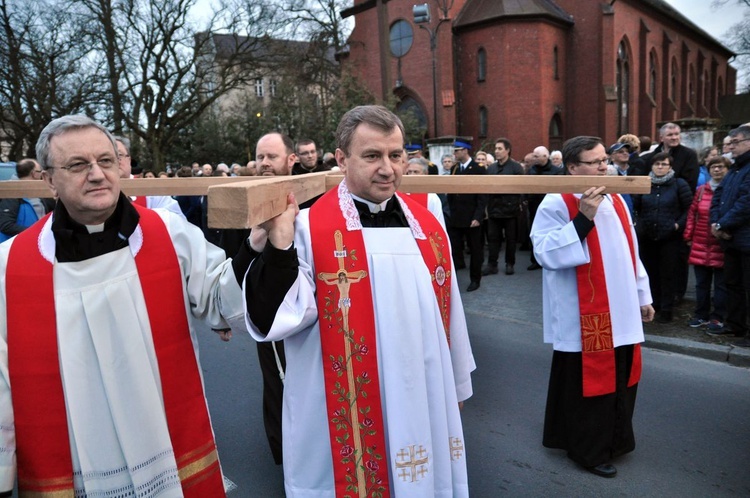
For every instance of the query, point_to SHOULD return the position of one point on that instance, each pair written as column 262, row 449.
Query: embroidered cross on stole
column 597, row 346
column 349, row 340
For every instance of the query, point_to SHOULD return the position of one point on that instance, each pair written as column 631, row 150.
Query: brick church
column 539, row 71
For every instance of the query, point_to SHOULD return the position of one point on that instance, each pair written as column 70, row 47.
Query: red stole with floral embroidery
column 597, row 345
column 42, row 445
column 349, row 340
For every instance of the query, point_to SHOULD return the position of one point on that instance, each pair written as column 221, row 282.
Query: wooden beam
column 245, row 205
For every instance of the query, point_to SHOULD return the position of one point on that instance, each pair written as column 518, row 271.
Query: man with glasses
column 595, row 295
column 96, row 337
column 18, row 214
column 730, row 223
column 307, row 153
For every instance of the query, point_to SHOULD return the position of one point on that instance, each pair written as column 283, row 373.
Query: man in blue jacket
column 730, row 222
column 18, row 214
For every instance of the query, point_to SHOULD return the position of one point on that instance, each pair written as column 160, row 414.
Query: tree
column 738, row 39
column 162, row 72
column 45, row 71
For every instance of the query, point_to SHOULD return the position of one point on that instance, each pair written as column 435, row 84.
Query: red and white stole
column 140, row 201
column 42, row 445
column 348, row 335
column 597, row 345
column 421, row 198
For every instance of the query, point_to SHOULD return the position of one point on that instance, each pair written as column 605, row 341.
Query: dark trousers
column 661, row 260
column 704, row 275
column 273, row 395
column 496, row 228
column 592, row 430
column 473, row 236
column 737, row 280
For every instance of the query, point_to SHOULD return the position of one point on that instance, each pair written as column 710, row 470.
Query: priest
column 360, row 288
column 101, row 392
column 595, row 295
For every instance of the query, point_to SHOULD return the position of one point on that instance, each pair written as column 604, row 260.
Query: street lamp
column 422, row 17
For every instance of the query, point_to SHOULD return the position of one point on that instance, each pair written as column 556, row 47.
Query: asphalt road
column 692, row 418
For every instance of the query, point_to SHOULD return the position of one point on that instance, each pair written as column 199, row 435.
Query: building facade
column 539, row 71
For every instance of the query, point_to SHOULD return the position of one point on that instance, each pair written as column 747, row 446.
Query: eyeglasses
column 79, row 167
column 593, row 163
column 718, row 166
column 662, row 165
column 36, row 171
column 732, row 143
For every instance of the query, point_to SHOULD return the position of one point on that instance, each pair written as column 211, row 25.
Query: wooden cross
column 246, row 201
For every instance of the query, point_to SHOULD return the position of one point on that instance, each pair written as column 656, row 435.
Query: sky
column 714, row 21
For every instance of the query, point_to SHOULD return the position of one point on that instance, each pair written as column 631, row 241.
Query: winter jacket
column 658, row 211
column 504, row 205
column 706, row 249
column 684, row 163
column 730, row 206
column 16, row 215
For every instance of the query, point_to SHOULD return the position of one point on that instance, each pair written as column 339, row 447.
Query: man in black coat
column 466, row 215
column 685, row 166
column 542, row 166
column 502, row 212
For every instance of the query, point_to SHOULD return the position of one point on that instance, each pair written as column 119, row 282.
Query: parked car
column 7, row 170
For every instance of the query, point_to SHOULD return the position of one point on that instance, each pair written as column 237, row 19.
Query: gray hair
column 422, row 162
column 63, row 125
column 376, row 116
column 124, row 141
column 667, row 126
column 743, row 130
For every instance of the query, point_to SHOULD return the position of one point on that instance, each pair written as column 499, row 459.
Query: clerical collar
column 74, row 241
column 374, row 207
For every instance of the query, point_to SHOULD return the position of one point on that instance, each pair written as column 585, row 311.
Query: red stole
column 421, row 198
column 597, row 345
column 349, row 343
column 140, row 201
column 42, row 443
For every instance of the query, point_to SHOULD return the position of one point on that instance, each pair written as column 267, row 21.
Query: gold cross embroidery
column 456, row 448
column 343, row 280
column 413, row 464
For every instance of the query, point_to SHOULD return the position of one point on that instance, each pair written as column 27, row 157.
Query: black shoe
column 664, row 317
column 489, row 270
column 509, row 270
column 534, row 266
column 472, row 286
column 603, row 470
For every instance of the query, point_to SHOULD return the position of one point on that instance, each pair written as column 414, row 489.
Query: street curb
column 736, row 356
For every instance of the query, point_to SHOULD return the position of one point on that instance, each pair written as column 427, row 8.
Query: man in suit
column 466, row 214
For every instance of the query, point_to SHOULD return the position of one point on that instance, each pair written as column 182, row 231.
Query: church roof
column 481, row 11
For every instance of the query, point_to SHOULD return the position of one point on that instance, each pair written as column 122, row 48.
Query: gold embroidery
column 63, row 493
column 343, row 280
column 192, row 469
column 412, row 463
column 456, row 448
column 596, row 332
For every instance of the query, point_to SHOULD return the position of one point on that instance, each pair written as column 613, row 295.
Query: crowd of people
column 100, row 292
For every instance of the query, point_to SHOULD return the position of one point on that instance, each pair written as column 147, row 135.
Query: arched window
column 673, row 82
column 555, row 63
column 555, row 132
column 652, row 75
column 719, row 91
column 623, row 88
column 483, row 121
column 706, row 90
column 691, row 86
column 481, row 65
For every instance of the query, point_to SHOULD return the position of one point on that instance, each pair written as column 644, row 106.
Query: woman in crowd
column 705, row 155
column 660, row 222
column 706, row 255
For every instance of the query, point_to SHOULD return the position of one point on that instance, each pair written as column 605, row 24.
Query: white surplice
column 116, row 421
column 421, row 378
column 559, row 250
